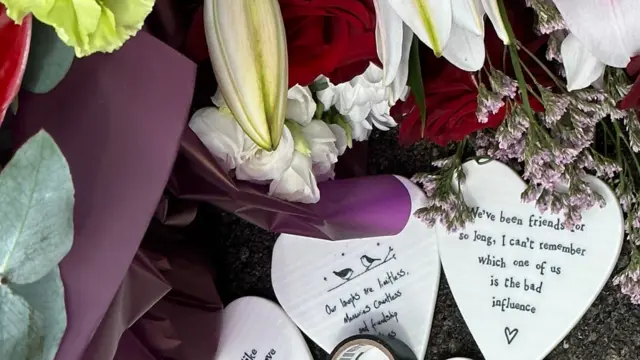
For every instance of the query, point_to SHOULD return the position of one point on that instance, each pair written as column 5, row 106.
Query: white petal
column 220, row 134
column 218, row 99
column 297, row 183
column 610, row 29
column 469, row 15
column 341, row 138
column 581, row 66
column 430, row 20
column 300, row 105
column 465, row 49
column 399, row 86
column 265, row 165
column 491, row 7
column 327, row 96
column 388, row 38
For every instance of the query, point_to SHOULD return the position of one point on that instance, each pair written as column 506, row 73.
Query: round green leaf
column 36, row 198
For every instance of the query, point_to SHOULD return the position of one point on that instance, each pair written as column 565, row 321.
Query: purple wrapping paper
column 353, row 208
column 118, row 119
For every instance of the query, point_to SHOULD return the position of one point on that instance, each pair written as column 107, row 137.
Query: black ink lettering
column 531, row 286
column 488, row 240
column 351, row 301
column 510, row 220
column 556, row 270
column 386, row 317
column 250, row 355
column 368, row 290
column 349, row 318
column 541, row 266
column 510, row 334
column 329, row 309
column 391, row 278
column 364, row 329
column 491, row 260
column 463, row 236
column 387, row 299
column 507, row 304
column 270, row 355
column 571, row 250
column 510, row 283
column 494, row 281
column 521, row 263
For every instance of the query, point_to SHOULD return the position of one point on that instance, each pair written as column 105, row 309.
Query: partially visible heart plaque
column 521, row 280
column 253, row 328
column 383, row 285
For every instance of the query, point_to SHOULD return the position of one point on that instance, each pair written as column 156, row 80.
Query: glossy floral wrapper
column 119, row 129
column 353, row 208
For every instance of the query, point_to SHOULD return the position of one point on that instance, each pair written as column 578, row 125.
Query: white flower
column 602, row 33
column 341, row 138
column 259, row 165
column 221, row 134
column 297, row 183
column 364, row 101
column 300, row 105
column 322, row 142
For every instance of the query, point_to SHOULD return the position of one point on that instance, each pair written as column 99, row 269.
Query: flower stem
column 515, row 60
column 544, row 67
column 621, row 135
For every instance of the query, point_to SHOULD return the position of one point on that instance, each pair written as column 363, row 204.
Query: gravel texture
column 610, row 329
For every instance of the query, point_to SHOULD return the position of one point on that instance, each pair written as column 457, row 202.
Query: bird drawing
column 367, row 262
column 344, row 274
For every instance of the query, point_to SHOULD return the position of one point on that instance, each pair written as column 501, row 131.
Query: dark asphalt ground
column 610, row 329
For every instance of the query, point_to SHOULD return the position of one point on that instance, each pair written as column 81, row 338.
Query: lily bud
column 247, row 46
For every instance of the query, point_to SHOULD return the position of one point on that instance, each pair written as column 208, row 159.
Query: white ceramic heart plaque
column 253, row 328
column 520, row 279
column 382, row 285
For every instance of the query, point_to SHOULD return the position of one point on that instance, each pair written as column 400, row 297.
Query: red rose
column 632, row 100
column 452, row 94
column 335, row 38
column 14, row 50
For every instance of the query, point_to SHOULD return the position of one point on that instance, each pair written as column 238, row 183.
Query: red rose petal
column 14, row 51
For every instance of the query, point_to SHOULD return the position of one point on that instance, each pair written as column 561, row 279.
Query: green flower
column 88, row 26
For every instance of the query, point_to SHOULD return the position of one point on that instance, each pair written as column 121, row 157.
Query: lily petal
column 398, row 87
column 430, row 20
column 388, row 38
column 465, row 49
column 609, row 29
column 581, row 66
column 493, row 11
column 247, row 46
column 469, row 15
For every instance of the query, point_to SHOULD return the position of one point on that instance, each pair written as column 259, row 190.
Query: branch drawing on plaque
column 368, row 263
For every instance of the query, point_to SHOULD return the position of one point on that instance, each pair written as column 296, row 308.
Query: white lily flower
column 300, row 105
column 297, row 183
column 259, row 165
column 248, row 50
column 609, row 29
column 220, row 134
column 452, row 28
column 341, row 138
column 581, row 67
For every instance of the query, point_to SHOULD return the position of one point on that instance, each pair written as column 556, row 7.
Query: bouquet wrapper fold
column 118, row 119
column 352, row 208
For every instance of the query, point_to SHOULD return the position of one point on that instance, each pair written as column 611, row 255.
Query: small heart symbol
column 383, row 285
column 510, row 334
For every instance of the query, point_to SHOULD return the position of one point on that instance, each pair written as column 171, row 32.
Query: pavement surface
column 610, row 330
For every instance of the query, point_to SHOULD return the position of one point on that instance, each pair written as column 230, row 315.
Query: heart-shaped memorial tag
column 382, row 285
column 521, row 280
column 253, row 328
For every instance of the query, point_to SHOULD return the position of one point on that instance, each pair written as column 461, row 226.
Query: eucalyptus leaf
column 46, row 298
column 49, row 59
column 37, row 196
column 20, row 327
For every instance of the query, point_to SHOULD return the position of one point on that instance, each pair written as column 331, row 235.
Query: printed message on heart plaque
column 253, row 328
column 521, row 280
column 383, row 285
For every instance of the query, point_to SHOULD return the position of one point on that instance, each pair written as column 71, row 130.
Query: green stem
column 515, row 61
column 621, row 135
column 544, row 67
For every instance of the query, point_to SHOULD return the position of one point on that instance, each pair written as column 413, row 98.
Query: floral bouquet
column 541, row 86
